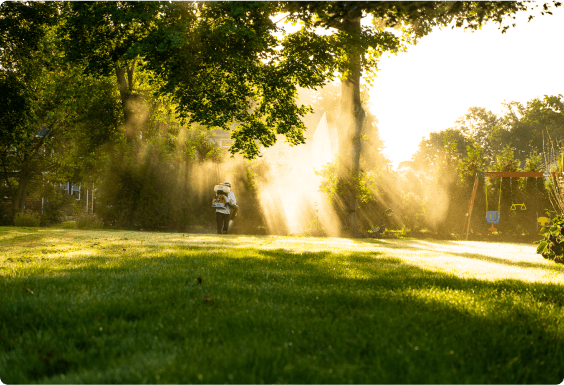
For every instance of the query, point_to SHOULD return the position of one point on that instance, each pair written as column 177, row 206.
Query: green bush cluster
column 68, row 225
column 58, row 205
column 89, row 221
column 27, row 219
column 552, row 246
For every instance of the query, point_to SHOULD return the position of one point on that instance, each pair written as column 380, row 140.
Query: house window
column 76, row 191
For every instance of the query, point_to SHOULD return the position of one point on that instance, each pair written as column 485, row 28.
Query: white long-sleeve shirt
column 231, row 199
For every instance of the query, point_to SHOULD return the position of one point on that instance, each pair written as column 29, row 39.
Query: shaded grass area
column 124, row 307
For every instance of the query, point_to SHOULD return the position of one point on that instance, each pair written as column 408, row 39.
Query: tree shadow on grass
column 381, row 321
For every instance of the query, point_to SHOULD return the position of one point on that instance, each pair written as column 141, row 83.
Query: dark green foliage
column 89, row 221
column 57, row 205
column 27, row 219
column 227, row 70
column 52, row 119
column 424, row 15
column 161, row 182
column 218, row 60
column 23, row 26
column 552, row 246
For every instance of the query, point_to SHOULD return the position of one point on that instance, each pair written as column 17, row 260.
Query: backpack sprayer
column 220, row 199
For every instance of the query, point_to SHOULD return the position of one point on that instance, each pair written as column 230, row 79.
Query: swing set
column 493, row 217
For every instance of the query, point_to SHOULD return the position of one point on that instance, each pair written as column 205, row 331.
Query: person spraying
column 225, row 204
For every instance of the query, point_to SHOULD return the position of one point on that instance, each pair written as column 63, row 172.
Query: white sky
column 432, row 84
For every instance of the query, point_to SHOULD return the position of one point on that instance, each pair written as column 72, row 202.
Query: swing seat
column 514, row 206
column 543, row 221
column 492, row 217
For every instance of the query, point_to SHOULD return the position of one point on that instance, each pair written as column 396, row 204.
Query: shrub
column 89, row 221
column 57, row 206
column 68, row 225
column 552, row 246
column 27, row 219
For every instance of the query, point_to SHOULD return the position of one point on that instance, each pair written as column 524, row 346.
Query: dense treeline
column 120, row 98
column 438, row 181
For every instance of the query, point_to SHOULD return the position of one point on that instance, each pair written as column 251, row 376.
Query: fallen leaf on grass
column 29, row 291
column 274, row 279
column 198, row 281
column 207, row 298
column 251, row 280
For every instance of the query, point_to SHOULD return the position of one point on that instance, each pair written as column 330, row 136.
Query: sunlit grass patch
column 124, row 306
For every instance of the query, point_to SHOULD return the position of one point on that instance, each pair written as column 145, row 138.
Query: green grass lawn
column 125, row 307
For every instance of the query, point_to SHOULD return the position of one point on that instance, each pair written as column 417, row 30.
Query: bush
column 27, row 219
column 5, row 215
column 68, row 225
column 89, row 221
column 552, row 246
column 58, row 205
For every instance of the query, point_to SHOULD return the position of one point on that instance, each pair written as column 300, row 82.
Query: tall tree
column 45, row 105
column 358, row 49
column 426, row 156
column 485, row 128
column 537, row 126
column 105, row 39
column 23, row 27
column 218, row 60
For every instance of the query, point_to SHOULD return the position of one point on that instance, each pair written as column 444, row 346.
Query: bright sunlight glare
column 427, row 88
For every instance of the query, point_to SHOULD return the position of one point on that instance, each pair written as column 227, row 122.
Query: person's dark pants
column 222, row 222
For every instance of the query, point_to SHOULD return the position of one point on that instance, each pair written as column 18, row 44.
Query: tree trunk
column 128, row 99
column 350, row 122
column 18, row 199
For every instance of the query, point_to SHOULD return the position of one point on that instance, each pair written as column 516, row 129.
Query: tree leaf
column 541, row 247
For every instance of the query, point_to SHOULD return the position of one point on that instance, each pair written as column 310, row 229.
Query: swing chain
column 486, row 190
column 499, row 202
column 511, row 188
column 537, row 195
column 537, row 201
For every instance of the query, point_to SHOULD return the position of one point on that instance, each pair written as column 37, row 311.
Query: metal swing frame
column 515, row 174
